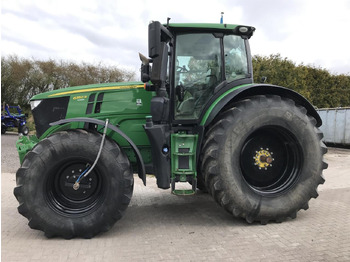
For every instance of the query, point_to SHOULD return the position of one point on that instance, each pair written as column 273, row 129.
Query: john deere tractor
column 196, row 117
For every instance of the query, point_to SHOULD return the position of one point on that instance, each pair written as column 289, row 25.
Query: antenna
column 167, row 21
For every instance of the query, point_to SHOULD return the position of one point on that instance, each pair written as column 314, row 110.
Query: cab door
column 202, row 62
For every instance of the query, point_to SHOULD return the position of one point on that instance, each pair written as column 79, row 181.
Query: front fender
column 140, row 164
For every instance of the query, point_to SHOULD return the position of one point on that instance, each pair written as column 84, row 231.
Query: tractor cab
column 194, row 63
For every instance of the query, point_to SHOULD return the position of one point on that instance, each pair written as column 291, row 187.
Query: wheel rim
column 271, row 160
column 61, row 195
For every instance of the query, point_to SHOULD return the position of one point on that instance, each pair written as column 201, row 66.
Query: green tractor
column 196, row 117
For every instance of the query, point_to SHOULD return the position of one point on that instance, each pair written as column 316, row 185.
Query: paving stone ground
column 159, row 226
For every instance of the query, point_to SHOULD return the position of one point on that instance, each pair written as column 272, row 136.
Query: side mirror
column 157, row 34
column 145, row 69
column 159, row 65
column 158, row 39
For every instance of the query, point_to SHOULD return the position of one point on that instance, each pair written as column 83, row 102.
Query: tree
column 22, row 78
column 316, row 84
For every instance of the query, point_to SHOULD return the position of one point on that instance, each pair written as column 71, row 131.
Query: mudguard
column 234, row 95
column 140, row 164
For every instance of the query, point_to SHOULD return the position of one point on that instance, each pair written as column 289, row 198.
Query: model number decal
column 79, row 98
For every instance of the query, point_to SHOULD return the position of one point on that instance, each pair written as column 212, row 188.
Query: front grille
column 48, row 111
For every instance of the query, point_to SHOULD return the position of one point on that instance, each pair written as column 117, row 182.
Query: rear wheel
column 263, row 159
column 45, row 185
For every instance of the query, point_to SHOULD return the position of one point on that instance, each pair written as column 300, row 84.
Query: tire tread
column 210, row 159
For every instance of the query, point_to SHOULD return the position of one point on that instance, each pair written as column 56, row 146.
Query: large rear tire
column 263, row 159
column 45, row 185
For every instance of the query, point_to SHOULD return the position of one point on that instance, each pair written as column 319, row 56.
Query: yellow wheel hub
column 263, row 158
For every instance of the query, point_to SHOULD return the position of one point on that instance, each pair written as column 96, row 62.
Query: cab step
column 184, row 192
column 183, row 162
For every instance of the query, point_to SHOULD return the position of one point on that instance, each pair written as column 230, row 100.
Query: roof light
column 243, row 29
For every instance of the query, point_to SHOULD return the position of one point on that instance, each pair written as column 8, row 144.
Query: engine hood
column 87, row 89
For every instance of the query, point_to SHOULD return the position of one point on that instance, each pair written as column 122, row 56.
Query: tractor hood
column 116, row 101
column 87, row 89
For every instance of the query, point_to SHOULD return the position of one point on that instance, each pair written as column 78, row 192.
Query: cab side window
column 236, row 64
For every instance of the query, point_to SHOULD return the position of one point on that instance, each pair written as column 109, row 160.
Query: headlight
column 34, row 103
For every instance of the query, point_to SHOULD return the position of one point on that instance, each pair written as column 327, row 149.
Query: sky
column 313, row 32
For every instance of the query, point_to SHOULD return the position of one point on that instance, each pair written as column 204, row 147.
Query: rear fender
column 86, row 120
column 235, row 95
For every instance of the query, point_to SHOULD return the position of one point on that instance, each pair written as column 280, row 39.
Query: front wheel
column 263, row 159
column 45, row 185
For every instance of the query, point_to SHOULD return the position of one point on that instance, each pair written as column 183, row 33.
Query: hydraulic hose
column 88, row 170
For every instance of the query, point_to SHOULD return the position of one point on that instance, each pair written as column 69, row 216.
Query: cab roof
column 224, row 28
column 203, row 25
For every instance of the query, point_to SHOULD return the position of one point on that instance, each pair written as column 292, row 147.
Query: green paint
column 24, row 144
column 126, row 105
column 183, row 160
column 183, row 192
column 206, row 115
column 84, row 90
